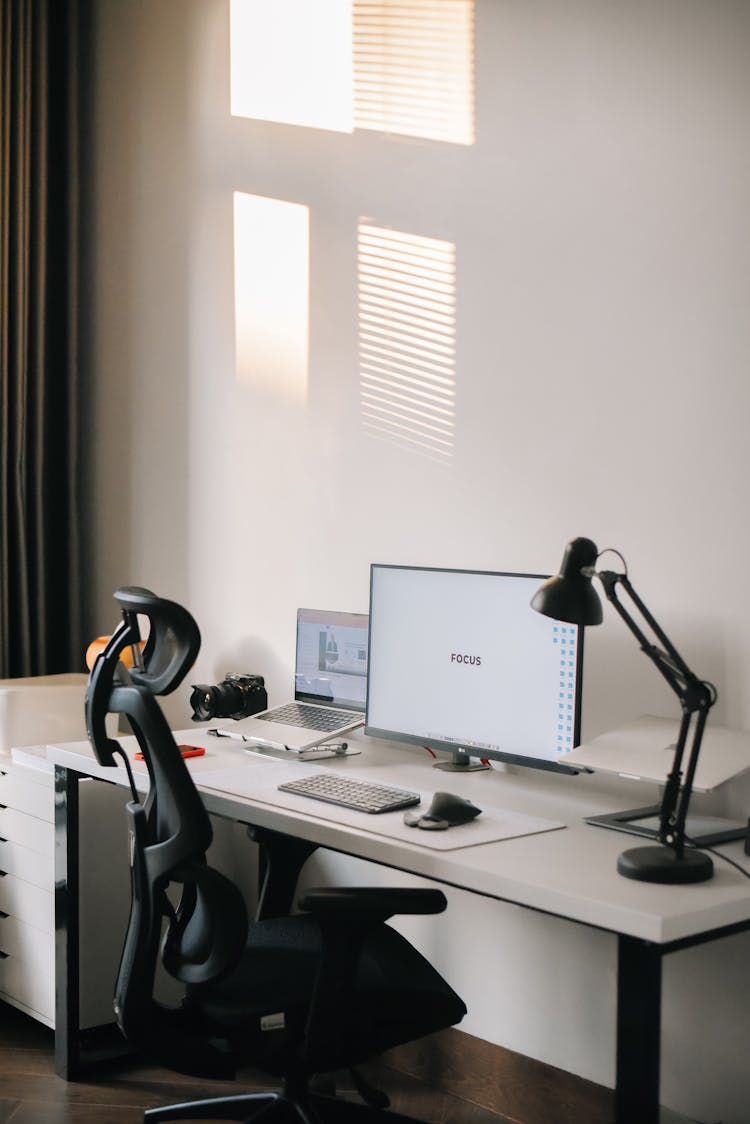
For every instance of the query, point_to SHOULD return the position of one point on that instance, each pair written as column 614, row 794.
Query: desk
column 568, row 873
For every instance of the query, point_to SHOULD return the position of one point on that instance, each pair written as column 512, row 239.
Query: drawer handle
column 3, row 955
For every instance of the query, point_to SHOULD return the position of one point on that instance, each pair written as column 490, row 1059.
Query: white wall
column 603, row 281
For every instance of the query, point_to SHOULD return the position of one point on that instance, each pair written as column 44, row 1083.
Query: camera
column 237, row 696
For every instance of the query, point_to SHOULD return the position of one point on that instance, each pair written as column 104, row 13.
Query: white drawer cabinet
column 30, row 866
column 22, row 984
column 27, row 831
column 27, row 791
column 27, row 884
column 27, row 891
column 27, row 902
column 27, row 942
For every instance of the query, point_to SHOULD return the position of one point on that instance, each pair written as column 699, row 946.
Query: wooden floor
column 31, row 1093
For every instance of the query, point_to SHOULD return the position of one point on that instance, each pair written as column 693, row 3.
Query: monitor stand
column 460, row 762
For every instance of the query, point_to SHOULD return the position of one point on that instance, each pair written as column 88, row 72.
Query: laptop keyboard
column 363, row 796
column 308, row 717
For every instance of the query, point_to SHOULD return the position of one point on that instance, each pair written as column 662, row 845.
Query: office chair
column 295, row 996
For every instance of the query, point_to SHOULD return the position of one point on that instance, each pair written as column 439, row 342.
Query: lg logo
column 457, row 657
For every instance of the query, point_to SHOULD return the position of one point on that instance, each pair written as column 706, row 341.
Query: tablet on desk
column 704, row 831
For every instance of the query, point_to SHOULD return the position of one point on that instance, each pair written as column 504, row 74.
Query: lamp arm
column 696, row 699
column 672, row 819
column 669, row 661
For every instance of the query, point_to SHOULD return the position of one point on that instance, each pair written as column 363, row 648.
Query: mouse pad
column 260, row 784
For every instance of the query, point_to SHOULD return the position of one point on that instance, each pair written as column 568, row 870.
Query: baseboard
column 502, row 1081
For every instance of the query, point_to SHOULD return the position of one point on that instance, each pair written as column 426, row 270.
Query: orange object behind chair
column 98, row 645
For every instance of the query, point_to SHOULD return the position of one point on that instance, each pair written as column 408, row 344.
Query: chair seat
column 398, row 996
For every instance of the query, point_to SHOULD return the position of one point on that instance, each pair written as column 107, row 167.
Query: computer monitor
column 459, row 661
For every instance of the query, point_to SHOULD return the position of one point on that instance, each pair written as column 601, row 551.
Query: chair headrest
column 173, row 643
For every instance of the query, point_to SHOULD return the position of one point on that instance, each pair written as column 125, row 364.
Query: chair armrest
column 281, row 860
column 370, row 903
column 347, row 915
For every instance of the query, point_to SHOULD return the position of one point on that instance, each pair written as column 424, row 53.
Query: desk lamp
column 570, row 596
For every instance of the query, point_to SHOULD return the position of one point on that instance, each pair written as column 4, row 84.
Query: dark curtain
column 42, row 60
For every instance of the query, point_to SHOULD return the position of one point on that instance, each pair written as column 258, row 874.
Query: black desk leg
column 67, row 1011
column 638, row 1031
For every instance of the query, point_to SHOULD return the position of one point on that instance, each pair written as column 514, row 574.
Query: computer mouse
column 445, row 810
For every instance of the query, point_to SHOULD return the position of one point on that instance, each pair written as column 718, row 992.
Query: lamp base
column 661, row 864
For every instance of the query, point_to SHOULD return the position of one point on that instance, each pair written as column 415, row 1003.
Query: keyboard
column 309, row 717
column 362, row 796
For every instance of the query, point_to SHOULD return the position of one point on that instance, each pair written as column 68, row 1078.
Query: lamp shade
column 570, row 596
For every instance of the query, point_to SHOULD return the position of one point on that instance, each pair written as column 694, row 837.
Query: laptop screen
column 331, row 661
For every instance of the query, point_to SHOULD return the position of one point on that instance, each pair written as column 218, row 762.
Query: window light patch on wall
column 396, row 66
column 407, row 330
column 271, row 294
column 414, row 68
column 291, row 61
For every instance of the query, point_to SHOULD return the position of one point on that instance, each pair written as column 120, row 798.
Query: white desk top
column 570, row 872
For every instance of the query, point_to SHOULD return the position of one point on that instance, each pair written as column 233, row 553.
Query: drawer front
column 27, row 902
column 27, row 830
column 24, row 942
column 29, row 866
column 26, row 796
column 20, row 981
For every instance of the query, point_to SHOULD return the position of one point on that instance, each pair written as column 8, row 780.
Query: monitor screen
column 459, row 661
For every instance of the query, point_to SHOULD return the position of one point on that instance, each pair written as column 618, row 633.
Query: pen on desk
column 227, row 734
column 238, row 737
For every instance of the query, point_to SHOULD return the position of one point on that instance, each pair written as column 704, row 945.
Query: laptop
column 330, row 685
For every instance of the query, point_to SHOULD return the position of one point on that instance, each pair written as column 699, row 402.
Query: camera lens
column 221, row 701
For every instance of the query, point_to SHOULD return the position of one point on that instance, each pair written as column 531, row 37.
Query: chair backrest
column 203, row 934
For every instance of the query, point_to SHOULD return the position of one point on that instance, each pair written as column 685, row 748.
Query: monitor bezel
column 549, row 765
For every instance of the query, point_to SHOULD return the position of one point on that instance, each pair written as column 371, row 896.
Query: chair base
column 247, row 1108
